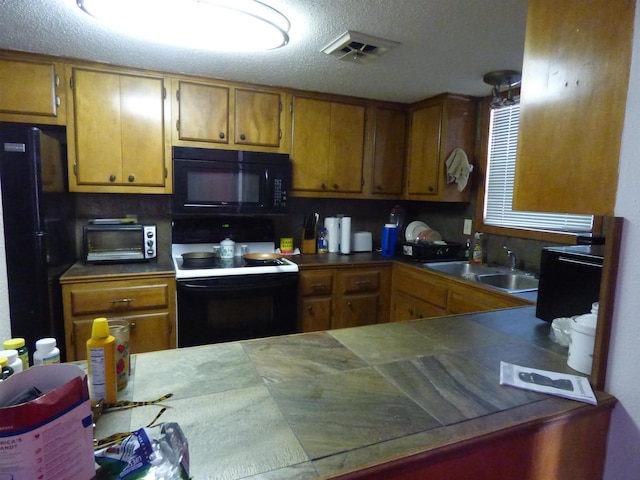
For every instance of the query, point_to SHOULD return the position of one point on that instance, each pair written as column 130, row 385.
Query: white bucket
column 581, row 343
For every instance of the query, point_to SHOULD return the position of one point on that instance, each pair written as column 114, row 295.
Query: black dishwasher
column 569, row 280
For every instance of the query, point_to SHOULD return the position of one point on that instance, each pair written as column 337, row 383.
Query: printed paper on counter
column 574, row 387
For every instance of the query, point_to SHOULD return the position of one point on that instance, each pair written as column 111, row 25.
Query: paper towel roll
column 331, row 224
column 345, row 235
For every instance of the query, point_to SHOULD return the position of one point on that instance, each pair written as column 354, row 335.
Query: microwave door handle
column 579, row 262
column 268, row 198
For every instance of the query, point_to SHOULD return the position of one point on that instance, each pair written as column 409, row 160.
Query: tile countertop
column 318, row 404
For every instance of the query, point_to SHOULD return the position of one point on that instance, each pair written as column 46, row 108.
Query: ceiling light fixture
column 229, row 25
column 499, row 79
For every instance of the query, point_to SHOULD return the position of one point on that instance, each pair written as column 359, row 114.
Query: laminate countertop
column 316, row 405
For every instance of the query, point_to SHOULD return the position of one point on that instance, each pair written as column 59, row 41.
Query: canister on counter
column 286, row 245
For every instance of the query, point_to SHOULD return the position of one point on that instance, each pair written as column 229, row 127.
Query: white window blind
column 503, row 141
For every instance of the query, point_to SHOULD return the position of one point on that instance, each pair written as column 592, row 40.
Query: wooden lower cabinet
column 343, row 297
column 148, row 304
column 569, row 445
column 418, row 293
column 316, row 298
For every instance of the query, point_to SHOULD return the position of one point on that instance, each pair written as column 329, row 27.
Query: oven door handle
column 285, row 281
column 579, row 262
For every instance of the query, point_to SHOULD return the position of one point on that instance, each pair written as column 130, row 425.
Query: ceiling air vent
column 357, row 47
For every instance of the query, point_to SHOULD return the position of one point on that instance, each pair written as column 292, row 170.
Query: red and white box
column 50, row 437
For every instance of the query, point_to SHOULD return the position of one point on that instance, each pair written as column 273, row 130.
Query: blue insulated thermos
column 389, row 237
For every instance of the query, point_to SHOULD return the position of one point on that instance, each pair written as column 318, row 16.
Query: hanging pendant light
column 500, row 79
column 228, row 25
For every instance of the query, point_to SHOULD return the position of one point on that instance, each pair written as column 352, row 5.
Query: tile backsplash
column 368, row 215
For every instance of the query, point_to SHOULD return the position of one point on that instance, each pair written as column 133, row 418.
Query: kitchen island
column 395, row 400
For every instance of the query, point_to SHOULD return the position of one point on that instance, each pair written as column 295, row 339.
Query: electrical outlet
column 467, row 226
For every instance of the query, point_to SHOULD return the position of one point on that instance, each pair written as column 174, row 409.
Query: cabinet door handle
column 335, row 186
column 309, row 309
column 121, row 300
column 363, row 283
column 323, row 186
column 132, row 325
column 132, row 178
column 112, row 178
column 243, row 136
column 221, row 135
column 319, row 286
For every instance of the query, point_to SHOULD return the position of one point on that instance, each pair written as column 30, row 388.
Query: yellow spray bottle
column 101, row 363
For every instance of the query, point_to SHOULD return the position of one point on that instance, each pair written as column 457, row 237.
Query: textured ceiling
column 446, row 45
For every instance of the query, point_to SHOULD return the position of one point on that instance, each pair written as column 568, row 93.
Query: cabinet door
column 147, row 333
column 346, row 150
column 389, row 151
column 315, row 314
column 466, row 299
column 424, row 150
column 203, row 112
column 28, row 88
column 310, row 144
column 97, row 114
column 406, row 307
column 574, row 81
column 143, row 159
column 119, row 129
column 328, row 146
column 356, row 311
column 257, row 118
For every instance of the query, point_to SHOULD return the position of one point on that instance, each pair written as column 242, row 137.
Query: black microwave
column 209, row 181
column 570, row 280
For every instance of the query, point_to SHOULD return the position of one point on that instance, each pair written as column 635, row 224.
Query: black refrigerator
column 39, row 229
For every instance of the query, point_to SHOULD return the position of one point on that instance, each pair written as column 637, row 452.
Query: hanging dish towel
column 458, row 168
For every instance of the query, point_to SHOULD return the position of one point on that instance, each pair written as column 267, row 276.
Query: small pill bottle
column 46, row 352
column 19, row 345
column 323, row 246
column 13, row 359
column 5, row 370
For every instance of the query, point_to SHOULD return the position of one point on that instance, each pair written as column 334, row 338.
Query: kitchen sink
column 511, row 282
column 498, row 277
column 463, row 269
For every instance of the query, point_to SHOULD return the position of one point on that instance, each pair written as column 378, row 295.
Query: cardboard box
column 50, row 437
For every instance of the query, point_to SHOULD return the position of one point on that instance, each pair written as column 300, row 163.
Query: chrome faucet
column 513, row 260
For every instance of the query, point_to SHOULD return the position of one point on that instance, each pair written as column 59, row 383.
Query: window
column 501, row 164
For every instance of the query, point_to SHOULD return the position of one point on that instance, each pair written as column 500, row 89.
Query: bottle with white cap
column 46, row 352
column 13, row 359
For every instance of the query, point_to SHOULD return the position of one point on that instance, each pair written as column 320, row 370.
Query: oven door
column 238, row 307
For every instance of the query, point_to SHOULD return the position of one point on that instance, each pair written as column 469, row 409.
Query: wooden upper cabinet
column 31, row 91
column 327, row 147
column 257, row 118
column 118, row 139
column 573, row 95
column 221, row 116
column 438, row 126
column 389, row 151
column 424, row 150
column 203, row 113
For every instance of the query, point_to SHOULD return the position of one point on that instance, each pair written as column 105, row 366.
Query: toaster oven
column 119, row 242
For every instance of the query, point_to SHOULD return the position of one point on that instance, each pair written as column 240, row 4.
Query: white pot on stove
column 227, row 248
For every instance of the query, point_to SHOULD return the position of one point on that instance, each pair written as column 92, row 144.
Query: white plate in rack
column 414, row 229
